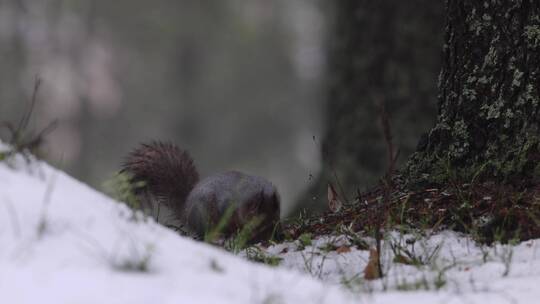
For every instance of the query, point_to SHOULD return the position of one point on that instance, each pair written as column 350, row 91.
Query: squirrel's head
column 262, row 210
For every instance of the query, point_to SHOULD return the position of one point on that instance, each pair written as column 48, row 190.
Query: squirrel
column 172, row 193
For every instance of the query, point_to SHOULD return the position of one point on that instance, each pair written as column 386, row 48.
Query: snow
column 467, row 272
column 63, row 242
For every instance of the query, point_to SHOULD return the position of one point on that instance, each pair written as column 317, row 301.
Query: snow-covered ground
column 451, row 268
column 63, row 242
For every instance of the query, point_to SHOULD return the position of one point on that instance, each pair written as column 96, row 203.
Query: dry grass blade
column 19, row 138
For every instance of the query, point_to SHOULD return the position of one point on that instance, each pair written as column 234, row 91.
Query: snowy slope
column 62, row 242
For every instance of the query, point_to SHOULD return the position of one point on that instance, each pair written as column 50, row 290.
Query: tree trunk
column 383, row 50
column 488, row 122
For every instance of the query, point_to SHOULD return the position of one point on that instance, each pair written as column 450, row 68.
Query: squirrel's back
column 172, row 193
column 245, row 199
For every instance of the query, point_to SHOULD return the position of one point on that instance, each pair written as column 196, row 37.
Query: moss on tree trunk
column 488, row 122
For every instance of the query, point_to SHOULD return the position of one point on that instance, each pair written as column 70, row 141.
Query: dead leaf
column 334, row 204
column 343, row 249
column 402, row 260
column 371, row 272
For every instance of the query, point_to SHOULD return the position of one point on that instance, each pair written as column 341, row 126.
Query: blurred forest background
column 253, row 85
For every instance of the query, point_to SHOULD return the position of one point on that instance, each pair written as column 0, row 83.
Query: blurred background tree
column 239, row 83
column 378, row 51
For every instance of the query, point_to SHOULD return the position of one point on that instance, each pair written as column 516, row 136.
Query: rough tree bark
column 387, row 50
column 488, row 122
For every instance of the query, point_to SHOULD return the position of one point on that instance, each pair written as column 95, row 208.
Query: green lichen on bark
column 488, row 123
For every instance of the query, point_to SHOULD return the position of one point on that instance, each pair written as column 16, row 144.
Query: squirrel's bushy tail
column 168, row 172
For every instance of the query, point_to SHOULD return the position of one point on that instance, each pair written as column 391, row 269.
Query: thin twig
column 26, row 118
column 387, row 131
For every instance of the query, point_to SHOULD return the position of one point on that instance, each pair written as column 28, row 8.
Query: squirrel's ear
column 270, row 202
column 259, row 201
column 275, row 196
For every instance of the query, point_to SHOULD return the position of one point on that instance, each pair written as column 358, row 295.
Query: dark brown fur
column 167, row 171
column 170, row 177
